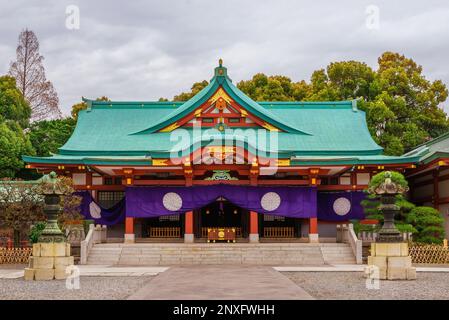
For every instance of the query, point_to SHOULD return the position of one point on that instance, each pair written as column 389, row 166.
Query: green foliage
column 379, row 178
column 76, row 108
column 12, row 104
column 86, row 224
column 403, row 108
column 13, row 144
column 197, row 87
column 48, row 136
column 428, row 223
column 36, row 231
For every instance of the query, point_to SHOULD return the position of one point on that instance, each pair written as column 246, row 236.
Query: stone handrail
column 96, row 234
column 346, row 234
column 370, row 236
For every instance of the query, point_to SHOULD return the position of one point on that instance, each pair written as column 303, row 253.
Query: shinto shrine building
column 180, row 171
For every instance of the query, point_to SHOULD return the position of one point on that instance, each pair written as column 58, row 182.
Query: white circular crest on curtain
column 172, row 201
column 94, row 210
column 270, row 201
column 342, row 206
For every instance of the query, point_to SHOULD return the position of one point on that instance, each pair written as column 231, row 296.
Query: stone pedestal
column 314, row 238
column 254, row 237
column 393, row 261
column 189, row 237
column 49, row 261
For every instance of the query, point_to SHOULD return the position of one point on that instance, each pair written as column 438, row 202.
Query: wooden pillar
column 188, row 230
column 129, row 230
column 313, row 230
column 436, row 191
column 253, row 227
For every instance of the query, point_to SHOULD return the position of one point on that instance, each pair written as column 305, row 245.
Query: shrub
column 36, row 231
column 428, row 223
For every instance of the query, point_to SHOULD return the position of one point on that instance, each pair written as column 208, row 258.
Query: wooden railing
column 15, row 255
column 164, row 232
column 279, row 232
column 429, row 253
column 238, row 231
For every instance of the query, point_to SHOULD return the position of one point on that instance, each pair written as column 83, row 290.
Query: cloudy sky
column 143, row 50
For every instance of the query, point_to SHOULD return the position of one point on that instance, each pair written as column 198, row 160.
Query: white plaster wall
column 79, row 179
column 96, row 181
column 345, row 180
column 363, row 178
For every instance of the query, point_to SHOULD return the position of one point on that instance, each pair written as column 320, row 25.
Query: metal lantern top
column 50, row 184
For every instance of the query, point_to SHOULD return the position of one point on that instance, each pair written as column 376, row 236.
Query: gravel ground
column 91, row 288
column 351, row 286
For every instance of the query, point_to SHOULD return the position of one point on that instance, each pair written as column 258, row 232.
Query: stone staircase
column 152, row 254
column 338, row 253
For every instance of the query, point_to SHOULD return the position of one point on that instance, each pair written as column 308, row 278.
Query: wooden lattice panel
column 430, row 253
column 279, row 232
column 15, row 255
column 167, row 232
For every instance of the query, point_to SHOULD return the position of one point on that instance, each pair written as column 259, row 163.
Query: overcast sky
column 143, row 50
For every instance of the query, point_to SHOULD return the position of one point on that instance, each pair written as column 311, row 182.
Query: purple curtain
column 340, row 206
column 90, row 209
column 295, row 202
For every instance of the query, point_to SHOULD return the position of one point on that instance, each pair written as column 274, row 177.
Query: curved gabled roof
column 131, row 132
column 221, row 79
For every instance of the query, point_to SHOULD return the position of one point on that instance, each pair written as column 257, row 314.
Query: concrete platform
column 221, row 282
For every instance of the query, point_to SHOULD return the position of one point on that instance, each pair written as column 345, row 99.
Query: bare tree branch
column 30, row 76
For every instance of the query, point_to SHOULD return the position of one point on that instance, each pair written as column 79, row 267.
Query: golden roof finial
column 220, row 62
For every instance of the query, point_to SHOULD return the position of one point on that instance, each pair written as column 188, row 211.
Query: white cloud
column 143, row 50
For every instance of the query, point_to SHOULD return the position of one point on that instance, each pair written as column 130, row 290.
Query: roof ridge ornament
column 221, row 71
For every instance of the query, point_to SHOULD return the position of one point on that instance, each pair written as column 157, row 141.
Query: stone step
column 240, row 253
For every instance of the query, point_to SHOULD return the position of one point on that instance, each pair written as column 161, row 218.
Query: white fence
column 96, row 234
column 346, row 234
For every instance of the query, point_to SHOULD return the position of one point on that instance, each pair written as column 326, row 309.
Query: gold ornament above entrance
column 221, row 175
column 220, row 95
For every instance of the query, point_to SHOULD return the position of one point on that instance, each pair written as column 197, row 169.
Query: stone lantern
column 51, row 254
column 388, row 191
column 389, row 257
column 52, row 191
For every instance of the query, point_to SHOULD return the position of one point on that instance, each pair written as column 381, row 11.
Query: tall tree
column 48, row 136
column 20, row 206
column 29, row 72
column 196, row 87
column 13, row 144
column 12, row 104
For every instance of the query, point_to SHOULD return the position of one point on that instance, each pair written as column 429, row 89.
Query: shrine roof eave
column 294, row 160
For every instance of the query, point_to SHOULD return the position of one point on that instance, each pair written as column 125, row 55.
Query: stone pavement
column 98, row 271
column 220, row 282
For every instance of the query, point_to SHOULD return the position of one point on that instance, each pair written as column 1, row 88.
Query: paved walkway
column 220, row 282
column 96, row 271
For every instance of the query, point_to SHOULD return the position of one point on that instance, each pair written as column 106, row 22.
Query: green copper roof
column 431, row 150
column 128, row 132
